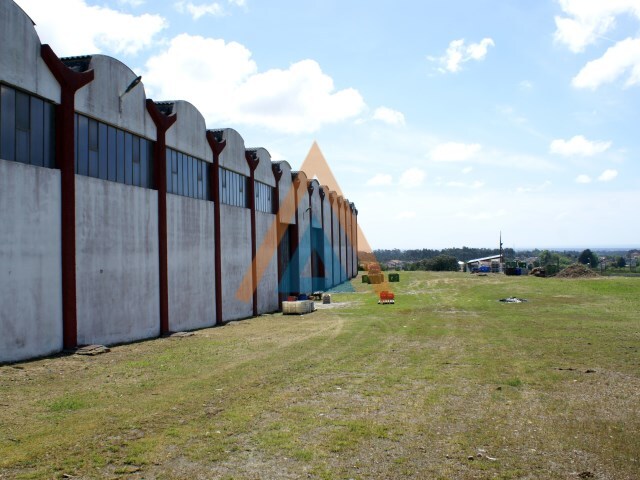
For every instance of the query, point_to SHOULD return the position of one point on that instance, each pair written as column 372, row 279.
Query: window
column 187, row 176
column 233, row 188
column 108, row 153
column 264, row 197
column 26, row 128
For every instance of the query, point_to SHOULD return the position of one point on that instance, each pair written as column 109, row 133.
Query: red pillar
column 217, row 146
column 277, row 174
column 70, row 82
column 252, row 161
column 163, row 123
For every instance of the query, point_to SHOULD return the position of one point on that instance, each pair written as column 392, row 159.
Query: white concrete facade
column 190, row 233
column 354, row 241
column 187, row 134
column 266, row 240
column 30, row 266
column 303, row 254
column 328, row 239
column 117, row 262
column 335, row 222
column 191, row 263
column 20, row 62
column 235, row 237
column 268, row 281
column 343, row 240
column 138, row 261
column 236, row 262
column 349, row 236
column 105, row 99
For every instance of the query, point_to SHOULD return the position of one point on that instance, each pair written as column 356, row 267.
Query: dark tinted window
column 108, row 153
column 26, row 128
column 233, row 188
column 187, row 175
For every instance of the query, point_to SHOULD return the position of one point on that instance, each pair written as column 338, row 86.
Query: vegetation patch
column 447, row 383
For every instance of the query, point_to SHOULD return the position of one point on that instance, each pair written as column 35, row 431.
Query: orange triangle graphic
column 314, row 166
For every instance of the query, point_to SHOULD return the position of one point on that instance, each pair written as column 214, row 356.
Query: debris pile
column 538, row 272
column 513, row 300
column 577, row 270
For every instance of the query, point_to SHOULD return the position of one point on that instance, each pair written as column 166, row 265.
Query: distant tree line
column 463, row 254
column 447, row 259
column 439, row 263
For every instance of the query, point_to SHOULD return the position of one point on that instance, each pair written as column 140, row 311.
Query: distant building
column 492, row 262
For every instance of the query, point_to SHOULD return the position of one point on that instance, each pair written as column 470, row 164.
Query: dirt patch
column 577, row 270
column 326, row 306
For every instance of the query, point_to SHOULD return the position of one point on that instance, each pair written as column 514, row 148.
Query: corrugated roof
column 218, row 134
column 165, row 107
column 77, row 64
column 491, row 257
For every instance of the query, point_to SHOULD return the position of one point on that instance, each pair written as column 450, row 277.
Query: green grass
column 549, row 388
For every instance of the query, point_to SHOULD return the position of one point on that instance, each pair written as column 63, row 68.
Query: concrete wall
column 343, row 240
column 235, row 238
column 266, row 242
column 30, row 262
column 187, row 135
column 191, row 263
column 303, row 256
column 233, row 156
column 20, row 61
column 286, row 217
column 100, row 98
column 235, row 241
column 117, row 262
column 190, row 233
column 354, row 240
column 316, row 213
column 335, row 221
column 263, row 172
column 287, row 198
column 328, row 253
column 268, row 282
column 349, row 235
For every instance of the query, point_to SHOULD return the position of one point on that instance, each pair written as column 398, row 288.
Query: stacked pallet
column 299, row 307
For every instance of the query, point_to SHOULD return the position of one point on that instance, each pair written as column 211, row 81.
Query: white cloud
column 133, row 3
column 537, row 188
column 100, row 29
column 608, row 175
column 456, row 184
column 467, row 170
column 588, row 20
column 585, row 23
column 412, row 178
column 197, row 11
column 578, row 145
column 407, row 214
column 380, row 179
column 583, row 179
column 223, row 81
column 454, row 152
column 458, row 53
column 389, row 116
column 525, row 85
column 623, row 57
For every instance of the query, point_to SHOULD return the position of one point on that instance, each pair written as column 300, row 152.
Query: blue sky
column 444, row 122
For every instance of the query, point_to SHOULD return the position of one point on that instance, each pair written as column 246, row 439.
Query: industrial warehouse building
column 124, row 218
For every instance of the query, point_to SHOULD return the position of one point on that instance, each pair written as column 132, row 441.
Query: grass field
column 448, row 383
